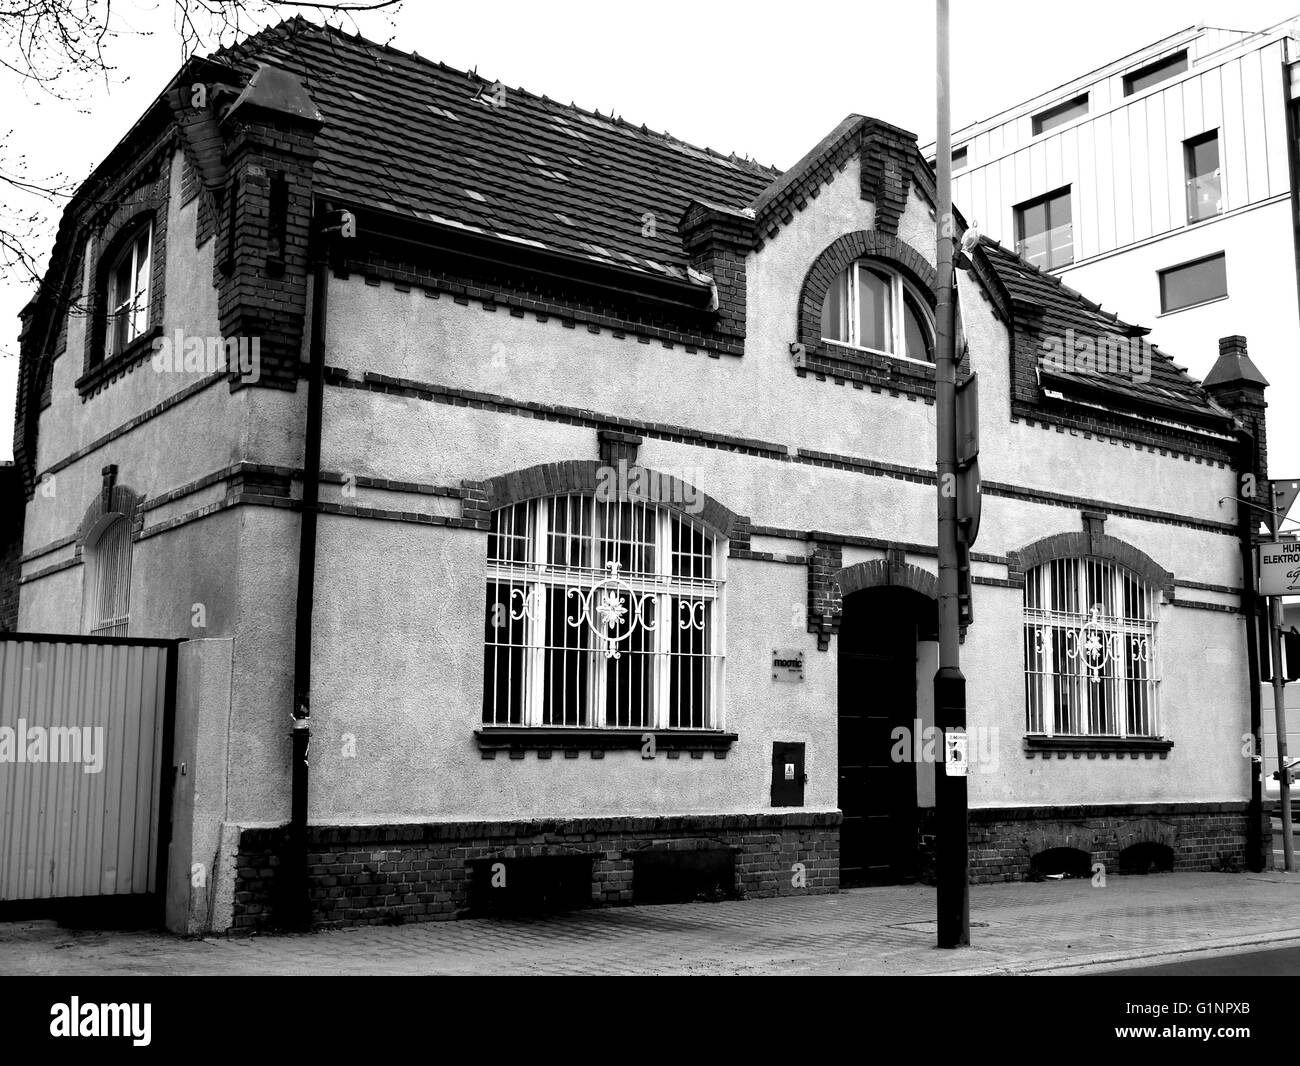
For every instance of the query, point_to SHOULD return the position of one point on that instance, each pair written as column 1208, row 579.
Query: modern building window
column 601, row 614
column 959, row 158
column 1090, row 651
column 871, row 306
column 1154, row 73
column 1194, row 283
column 1204, row 180
column 1060, row 114
column 106, row 588
column 1045, row 231
column 127, row 298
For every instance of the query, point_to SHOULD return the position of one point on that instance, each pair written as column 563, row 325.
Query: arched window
column 601, row 614
column 127, row 297
column 871, row 306
column 106, row 588
column 1090, row 650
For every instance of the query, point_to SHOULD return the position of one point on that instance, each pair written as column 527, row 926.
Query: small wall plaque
column 787, row 664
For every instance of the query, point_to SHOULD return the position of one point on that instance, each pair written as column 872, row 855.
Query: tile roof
column 421, row 139
column 1065, row 309
column 418, row 138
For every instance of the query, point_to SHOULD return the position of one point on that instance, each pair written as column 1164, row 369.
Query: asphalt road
column 1282, row 962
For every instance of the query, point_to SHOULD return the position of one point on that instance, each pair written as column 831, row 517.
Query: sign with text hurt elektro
column 787, row 664
column 1279, row 568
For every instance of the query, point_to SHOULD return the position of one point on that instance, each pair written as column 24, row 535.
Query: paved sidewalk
column 1053, row 926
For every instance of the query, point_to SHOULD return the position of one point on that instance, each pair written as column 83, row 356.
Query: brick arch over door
column 864, row 244
column 1095, row 546
column 884, row 572
column 584, row 475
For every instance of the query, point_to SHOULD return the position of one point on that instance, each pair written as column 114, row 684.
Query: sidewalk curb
column 1102, row 963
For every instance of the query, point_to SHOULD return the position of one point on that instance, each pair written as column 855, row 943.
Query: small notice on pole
column 954, row 762
column 1279, row 568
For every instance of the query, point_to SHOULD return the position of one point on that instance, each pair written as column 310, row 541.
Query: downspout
column 1250, row 607
column 296, row 900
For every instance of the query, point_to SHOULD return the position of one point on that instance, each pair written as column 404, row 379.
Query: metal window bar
column 107, row 594
column 1090, row 651
column 601, row 614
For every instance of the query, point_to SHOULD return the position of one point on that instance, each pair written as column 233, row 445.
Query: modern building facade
column 620, row 579
column 1163, row 185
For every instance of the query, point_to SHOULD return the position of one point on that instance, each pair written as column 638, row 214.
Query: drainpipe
column 295, row 903
column 1255, row 858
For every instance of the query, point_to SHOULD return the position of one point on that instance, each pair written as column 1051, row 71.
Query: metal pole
column 953, row 896
column 1279, row 714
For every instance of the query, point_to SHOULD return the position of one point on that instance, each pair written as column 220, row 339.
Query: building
column 622, row 570
column 1163, row 185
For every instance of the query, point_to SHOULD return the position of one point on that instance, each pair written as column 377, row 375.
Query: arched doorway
column 881, row 639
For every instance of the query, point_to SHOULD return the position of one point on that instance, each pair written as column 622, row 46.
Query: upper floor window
column 1197, row 282
column 106, row 587
column 1090, row 651
column 871, row 306
column 1045, row 230
column 1060, row 114
column 127, row 298
column 1204, row 180
column 960, row 156
column 1154, row 73
column 601, row 614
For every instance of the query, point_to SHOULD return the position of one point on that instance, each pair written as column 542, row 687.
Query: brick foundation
column 367, row 875
column 1202, row 836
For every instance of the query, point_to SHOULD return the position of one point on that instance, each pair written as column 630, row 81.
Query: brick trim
column 887, row 572
column 844, row 363
column 584, row 475
column 113, row 499
column 435, row 393
column 145, row 203
column 1092, row 545
column 520, row 300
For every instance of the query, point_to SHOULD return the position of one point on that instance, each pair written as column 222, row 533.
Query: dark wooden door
column 877, row 694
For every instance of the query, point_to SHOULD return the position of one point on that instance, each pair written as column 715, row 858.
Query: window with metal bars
column 1090, row 651
column 106, row 592
column 601, row 614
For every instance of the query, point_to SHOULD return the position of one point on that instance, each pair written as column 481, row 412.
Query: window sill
column 521, row 739
column 1077, row 747
column 127, row 359
column 1192, row 307
column 850, row 350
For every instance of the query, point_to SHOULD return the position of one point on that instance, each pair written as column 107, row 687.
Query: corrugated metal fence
column 85, row 732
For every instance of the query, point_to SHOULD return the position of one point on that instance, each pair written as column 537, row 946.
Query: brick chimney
column 1237, row 385
column 716, row 240
column 262, row 244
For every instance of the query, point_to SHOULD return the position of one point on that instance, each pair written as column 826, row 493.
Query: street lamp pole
column 953, row 907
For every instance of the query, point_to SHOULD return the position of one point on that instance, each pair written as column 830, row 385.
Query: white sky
column 748, row 78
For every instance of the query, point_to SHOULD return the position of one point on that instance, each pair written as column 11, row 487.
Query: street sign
column 1278, row 566
column 969, row 497
column 968, row 419
column 1282, row 494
